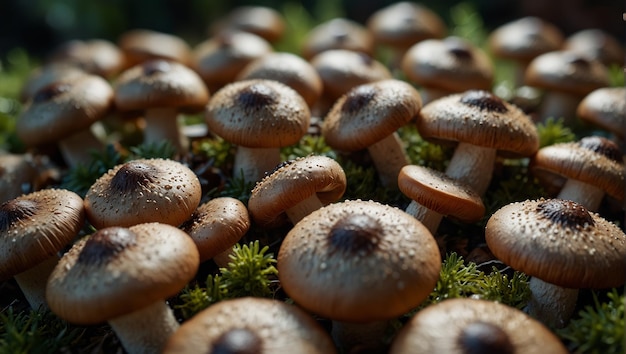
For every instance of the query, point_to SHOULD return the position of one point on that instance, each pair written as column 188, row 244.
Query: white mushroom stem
column 429, row 94
column 473, row 165
column 389, row 156
column 33, row 282
column 253, row 163
column 77, row 148
column 162, row 124
column 583, row 193
column 559, row 105
column 430, row 218
column 359, row 337
column 551, row 304
column 147, row 330
column 304, row 208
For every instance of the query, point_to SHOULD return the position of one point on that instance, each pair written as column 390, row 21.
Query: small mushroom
column 251, row 325
column 122, row 276
column 18, row 175
column 563, row 247
column 95, row 56
column 596, row 44
column 140, row 45
column 262, row 21
column 605, row 108
column 48, row 74
column 338, row 33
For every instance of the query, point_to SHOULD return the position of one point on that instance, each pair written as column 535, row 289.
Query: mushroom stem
column 389, row 156
column 33, row 282
column 223, row 258
column 352, row 337
column 551, row 304
column 473, row 165
column 162, row 124
column 559, row 105
column 147, row 330
column 430, row 218
column 253, row 163
column 583, row 193
column 304, row 208
column 429, row 94
column 77, row 148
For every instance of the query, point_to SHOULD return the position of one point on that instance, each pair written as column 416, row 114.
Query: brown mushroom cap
column 35, row 226
column 559, row 242
column 95, row 56
column 525, row 38
column 141, row 45
column 462, row 326
column 596, row 44
column 251, row 325
column 116, row 271
column 606, row 108
column 143, row 190
column 45, row 75
column 262, row 21
column 338, row 33
column 17, row 175
column 358, row 261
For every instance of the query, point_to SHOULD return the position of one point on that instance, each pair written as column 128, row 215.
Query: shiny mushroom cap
column 262, row 21
column 338, row 33
column 525, row 38
column 606, row 108
column 141, row 45
column 598, row 45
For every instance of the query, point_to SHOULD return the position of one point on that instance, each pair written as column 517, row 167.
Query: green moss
column 220, row 152
column 308, row 145
column 422, row 152
column 554, row 131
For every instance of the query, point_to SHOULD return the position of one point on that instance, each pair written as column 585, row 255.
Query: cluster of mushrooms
column 358, row 263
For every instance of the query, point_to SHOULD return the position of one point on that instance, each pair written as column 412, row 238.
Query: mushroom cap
column 338, row 33
column 253, row 325
column 258, row 114
column 35, row 226
column 17, row 175
column 440, row 193
column 606, row 108
column 404, row 23
column 479, row 118
column 117, row 270
column 566, row 71
column 594, row 160
column 596, row 44
column 451, row 64
column 289, row 69
column 368, row 113
column 559, row 242
column 358, row 261
column 143, row 190
column 48, row 74
column 141, row 45
column 262, row 21
column 294, row 182
column 63, row 108
column 160, row 83
column 479, row 324
column 95, row 56
column 525, row 38
column 217, row 225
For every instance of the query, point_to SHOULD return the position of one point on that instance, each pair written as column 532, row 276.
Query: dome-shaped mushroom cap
column 525, row 38
column 369, row 113
column 596, row 44
column 292, row 183
column 338, row 33
column 17, row 174
column 259, row 325
column 559, row 242
column 96, row 56
column 45, row 75
column 141, row 45
column 479, row 118
column 358, row 261
column 446, row 326
column 63, row 108
column 160, row 83
column 262, row 21
column 258, row 114
column 143, row 190
column 116, row 271
column 593, row 160
column 606, row 108
column 35, row 226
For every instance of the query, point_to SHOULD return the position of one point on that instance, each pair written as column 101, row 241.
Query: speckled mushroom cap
column 369, row 113
column 451, row 64
column 160, row 83
column 459, row 326
column 404, row 23
column 596, row 44
column 95, row 56
column 559, row 242
column 594, row 160
column 566, row 71
column 117, row 270
column 63, row 108
column 251, row 325
column 479, row 118
column 338, row 33
column 143, row 190
column 263, row 21
column 358, row 261
column 440, row 193
column 141, row 45
column 605, row 107
column 258, row 114
column 525, row 38
column 35, row 226
column 293, row 182
column 217, row 225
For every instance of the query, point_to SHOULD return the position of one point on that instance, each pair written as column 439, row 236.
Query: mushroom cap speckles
column 143, row 190
column 559, row 242
column 358, row 261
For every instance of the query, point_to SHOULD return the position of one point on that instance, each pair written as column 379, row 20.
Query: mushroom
column 18, row 175
column 34, row 227
column 563, row 247
column 161, row 89
column 143, row 190
column 584, row 171
column 47, row 74
column 262, row 21
column 337, row 33
column 296, row 188
column 63, row 112
column 216, row 226
column 471, row 326
column 95, row 56
column 251, row 325
column 445, row 66
column 367, row 117
column 122, row 276
column 596, row 44
column 606, row 108
column 141, row 45
column 360, row 264
column 259, row 116
column 482, row 123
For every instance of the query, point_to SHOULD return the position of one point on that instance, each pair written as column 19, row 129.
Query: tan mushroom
column 262, row 21
column 337, row 33
column 598, row 45
column 18, row 175
column 605, row 108
column 140, row 45
column 95, row 56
